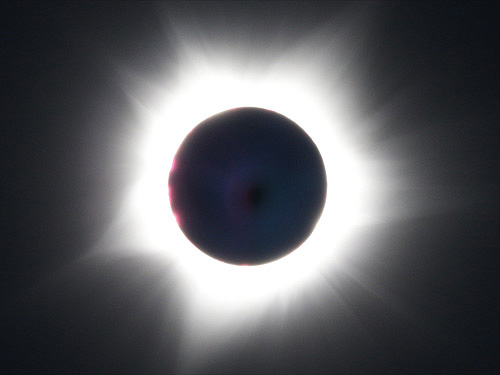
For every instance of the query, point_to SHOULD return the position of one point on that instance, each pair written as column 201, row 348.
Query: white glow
column 221, row 298
column 210, row 91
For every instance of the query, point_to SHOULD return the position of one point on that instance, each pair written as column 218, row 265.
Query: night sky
column 419, row 292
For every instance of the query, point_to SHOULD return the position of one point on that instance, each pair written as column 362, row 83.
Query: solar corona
column 248, row 188
column 235, row 170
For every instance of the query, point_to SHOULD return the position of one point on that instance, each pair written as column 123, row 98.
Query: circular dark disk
column 247, row 186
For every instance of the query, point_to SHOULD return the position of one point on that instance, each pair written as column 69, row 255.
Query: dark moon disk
column 247, row 186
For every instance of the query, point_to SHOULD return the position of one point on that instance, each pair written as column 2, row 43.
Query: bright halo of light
column 210, row 91
column 220, row 297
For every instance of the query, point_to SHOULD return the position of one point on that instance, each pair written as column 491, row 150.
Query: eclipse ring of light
column 247, row 186
column 171, row 110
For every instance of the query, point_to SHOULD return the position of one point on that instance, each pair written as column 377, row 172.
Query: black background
column 65, row 127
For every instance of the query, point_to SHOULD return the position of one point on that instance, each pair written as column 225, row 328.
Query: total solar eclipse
column 247, row 186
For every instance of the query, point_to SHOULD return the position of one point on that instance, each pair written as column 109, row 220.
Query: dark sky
column 65, row 126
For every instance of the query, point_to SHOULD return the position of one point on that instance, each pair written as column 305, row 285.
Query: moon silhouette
column 247, row 186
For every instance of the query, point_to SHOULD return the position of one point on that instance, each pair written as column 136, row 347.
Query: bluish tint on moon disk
column 247, row 186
